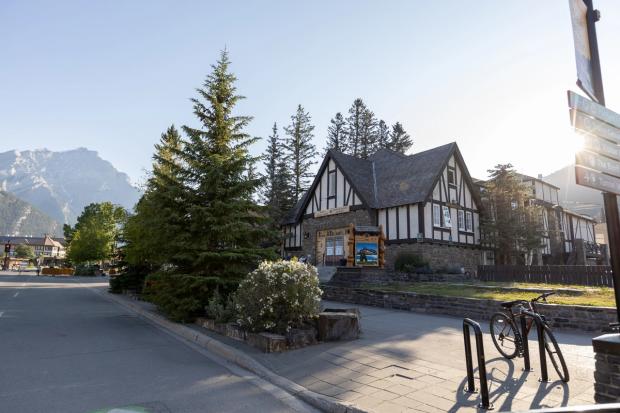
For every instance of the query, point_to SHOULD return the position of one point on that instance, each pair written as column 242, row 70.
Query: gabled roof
column 389, row 178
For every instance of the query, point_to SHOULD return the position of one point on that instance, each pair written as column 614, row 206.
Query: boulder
column 338, row 325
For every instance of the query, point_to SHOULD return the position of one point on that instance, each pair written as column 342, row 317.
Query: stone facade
column 607, row 373
column 559, row 316
column 310, row 226
column 438, row 255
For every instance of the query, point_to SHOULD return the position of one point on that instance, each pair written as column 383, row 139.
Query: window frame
column 437, row 215
column 460, row 217
column 469, row 221
column 447, row 216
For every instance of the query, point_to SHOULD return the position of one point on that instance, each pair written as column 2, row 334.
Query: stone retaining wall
column 355, row 277
column 559, row 316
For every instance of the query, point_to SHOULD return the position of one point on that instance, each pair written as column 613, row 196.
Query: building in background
column 47, row 250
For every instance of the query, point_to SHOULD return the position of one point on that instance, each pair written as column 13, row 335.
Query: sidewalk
column 411, row 362
column 408, row 361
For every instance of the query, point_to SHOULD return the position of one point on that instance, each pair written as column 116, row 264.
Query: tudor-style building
column 424, row 203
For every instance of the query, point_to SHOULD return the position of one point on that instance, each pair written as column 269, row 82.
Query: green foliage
column 278, row 296
column 301, row 152
column 24, row 251
column 399, row 140
column 131, row 280
column 184, row 297
column 511, row 224
column 410, row 262
column 277, row 192
column 96, row 232
column 222, row 310
column 337, row 134
column 86, row 270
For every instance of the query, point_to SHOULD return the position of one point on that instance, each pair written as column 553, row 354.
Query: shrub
column 410, row 262
column 183, row 297
column 132, row 279
column 278, row 296
column 86, row 270
column 220, row 309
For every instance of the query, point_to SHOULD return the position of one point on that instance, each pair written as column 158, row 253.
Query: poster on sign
column 367, row 250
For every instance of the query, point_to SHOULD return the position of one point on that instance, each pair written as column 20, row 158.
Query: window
column 469, row 221
column 461, row 219
column 331, row 184
column 451, row 179
column 329, row 250
column 340, row 246
column 436, row 215
column 447, row 219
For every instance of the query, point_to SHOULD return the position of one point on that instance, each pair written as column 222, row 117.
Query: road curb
column 319, row 401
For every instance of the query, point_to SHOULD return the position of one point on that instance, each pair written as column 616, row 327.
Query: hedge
column 56, row 271
column 183, row 297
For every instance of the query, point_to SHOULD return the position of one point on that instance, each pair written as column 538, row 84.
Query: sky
column 111, row 76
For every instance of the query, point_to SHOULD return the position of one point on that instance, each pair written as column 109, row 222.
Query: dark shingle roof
column 388, row 178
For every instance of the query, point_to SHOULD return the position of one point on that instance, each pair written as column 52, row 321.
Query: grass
column 590, row 296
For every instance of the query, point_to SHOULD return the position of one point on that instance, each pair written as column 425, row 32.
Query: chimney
column 540, row 176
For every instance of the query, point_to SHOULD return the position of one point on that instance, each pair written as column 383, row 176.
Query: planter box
column 297, row 337
column 234, row 331
column 267, row 342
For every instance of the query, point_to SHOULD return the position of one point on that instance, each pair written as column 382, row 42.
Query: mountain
column 20, row 218
column 577, row 198
column 61, row 184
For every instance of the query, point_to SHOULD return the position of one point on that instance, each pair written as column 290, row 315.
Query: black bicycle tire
column 564, row 376
column 514, row 329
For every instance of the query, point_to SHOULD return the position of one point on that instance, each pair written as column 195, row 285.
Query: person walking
column 38, row 270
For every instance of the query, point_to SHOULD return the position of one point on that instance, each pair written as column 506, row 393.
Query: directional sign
column 593, row 109
column 586, row 124
column 601, row 146
column 579, row 19
column 597, row 180
column 598, row 162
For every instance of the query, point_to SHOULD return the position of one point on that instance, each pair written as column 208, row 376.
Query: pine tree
column 336, row 134
column 368, row 134
column 354, row 127
column 400, row 141
column 301, row 151
column 225, row 227
column 276, row 193
column 153, row 235
column 383, row 134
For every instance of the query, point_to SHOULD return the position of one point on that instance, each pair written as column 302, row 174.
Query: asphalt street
column 64, row 348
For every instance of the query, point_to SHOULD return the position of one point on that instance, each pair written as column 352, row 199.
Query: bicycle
column 508, row 338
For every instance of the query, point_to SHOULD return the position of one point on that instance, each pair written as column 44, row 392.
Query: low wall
column 559, row 316
column 356, row 277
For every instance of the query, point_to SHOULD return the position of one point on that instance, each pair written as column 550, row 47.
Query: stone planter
column 297, row 338
column 338, row 325
column 267, row 342
column 234, row 331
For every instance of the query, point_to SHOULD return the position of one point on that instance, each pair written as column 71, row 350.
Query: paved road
column 65, row 349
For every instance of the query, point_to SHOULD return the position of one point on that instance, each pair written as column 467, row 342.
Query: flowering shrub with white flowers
column 278, row 296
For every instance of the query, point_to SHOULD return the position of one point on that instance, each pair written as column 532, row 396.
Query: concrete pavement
column 65, row 349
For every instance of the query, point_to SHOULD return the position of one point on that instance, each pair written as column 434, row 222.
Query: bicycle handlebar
column 543, row 296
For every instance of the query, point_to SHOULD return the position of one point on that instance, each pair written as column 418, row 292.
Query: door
column 334, row 250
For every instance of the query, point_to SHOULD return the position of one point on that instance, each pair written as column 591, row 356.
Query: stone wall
column 559, row 316
column 437, row 255
column 312, row 225
column 356, row 277
column 607, row 373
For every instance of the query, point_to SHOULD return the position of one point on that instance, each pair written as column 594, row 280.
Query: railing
column 482, row 371
column 590, row 275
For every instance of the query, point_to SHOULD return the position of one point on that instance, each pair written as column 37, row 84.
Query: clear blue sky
column 112, row 75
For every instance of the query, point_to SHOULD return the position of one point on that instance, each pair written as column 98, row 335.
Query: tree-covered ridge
column 18, row 217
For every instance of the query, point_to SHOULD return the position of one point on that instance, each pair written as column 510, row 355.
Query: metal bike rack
column 525, row 345
column 541, row 343
column 471, row 387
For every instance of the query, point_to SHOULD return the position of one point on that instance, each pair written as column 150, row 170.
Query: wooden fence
column 591, row 275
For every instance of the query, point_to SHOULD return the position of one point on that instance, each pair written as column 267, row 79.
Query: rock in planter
column 207, row 323
column 234, row 331
column 267, row 342
column 334, row 326
column 297, row 337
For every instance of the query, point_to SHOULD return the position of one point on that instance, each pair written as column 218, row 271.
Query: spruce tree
column 368, row 134
column 383, row 134
column 225, row 227
column 336, row 134
column 276, row 192
column 400, row 141
column 354, row 126
column 300, row 151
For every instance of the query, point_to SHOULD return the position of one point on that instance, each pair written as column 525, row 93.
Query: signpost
column 598, row 166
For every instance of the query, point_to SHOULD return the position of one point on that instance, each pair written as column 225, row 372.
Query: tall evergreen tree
column 354, row 126
column 336, row 134
column 400, row 141
column 225, row 227
column 301, row 151
column 368, row 134
column 276, row 192
column 383, row 134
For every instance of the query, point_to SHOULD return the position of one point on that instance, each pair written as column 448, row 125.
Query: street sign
column 598, row 163
column 597, row 180
column 586, row 124
column 581, row 38
column 601, row 146
column 593, row 109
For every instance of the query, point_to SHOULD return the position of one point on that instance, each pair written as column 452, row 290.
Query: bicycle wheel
column 505, row 335
column 553, row 350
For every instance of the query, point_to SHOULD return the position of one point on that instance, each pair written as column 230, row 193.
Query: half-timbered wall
column 545, row 192
column 332, row 191
column 576, row 227
column 292, row 236
column 452, row 215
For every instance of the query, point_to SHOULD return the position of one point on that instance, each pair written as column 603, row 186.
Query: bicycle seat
column 510, row 304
